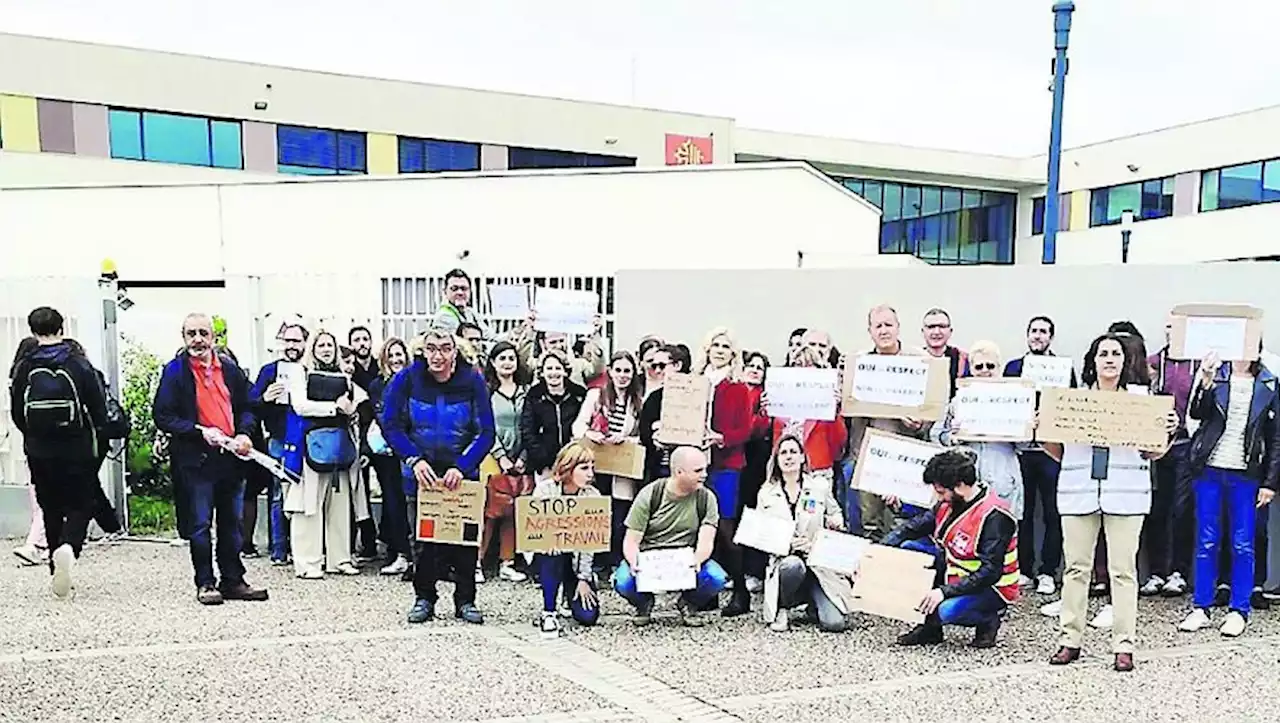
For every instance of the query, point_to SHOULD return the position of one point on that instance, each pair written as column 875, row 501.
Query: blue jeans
column 215, row 487
column 710, row 581
column 848, row 497
column 556, row 572
column 395, row 509
column 277, row 521
column 967, row 611
column 724, row 483
column 1215, row 489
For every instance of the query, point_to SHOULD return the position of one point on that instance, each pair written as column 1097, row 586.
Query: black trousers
column 433, row 559
column 1169, row 532
column 68, row 493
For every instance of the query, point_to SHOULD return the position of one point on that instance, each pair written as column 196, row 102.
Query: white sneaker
column 754, row 584
column 1045, row 585
column 309, row 574
column 1024, row 581
column 1052, row 610
column 345, row 568
column 178, row 542
column 31, row 556
column 781, row 623
column 479, row 575
column 397, row 566
column 64, row 563
column 564, row 610
column 509, row 573
column 1174, row 586
column 550, row 626
column 1105, row 618
column 1233, row 626
column 1196, row 621
column 1152, row 586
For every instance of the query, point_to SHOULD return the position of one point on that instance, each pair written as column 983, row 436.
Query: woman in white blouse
column 790, row 493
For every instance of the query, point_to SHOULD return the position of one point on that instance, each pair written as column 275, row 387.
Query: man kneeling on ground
column 670, row 513
column 978, row 561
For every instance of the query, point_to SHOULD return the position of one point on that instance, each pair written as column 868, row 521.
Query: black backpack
column 52, row 402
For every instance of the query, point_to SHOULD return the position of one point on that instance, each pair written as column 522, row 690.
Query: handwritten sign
column 290, row 374
column 563, row 524
column 802, row 393
column 686, row 399
column 892, row 582
column 622, row 460
column 896, row 386
column 666, row 570
column 994, row 410
column 764, row 532
column 454, row 517
column 509, row 301
column 1233, row 331
column 893, row 466
column 838, row 552
column 1047, row 371
column 1104, row 419
column 566, row 310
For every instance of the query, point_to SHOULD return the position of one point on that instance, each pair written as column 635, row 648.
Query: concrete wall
column 41, row 170
column 985, row 302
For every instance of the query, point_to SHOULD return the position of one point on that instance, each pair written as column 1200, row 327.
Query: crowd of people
column 523, row 414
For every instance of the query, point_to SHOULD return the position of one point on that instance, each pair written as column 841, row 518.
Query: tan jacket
column 816, row 510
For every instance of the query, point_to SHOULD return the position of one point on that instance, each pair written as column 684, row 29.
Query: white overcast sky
column 963, row 74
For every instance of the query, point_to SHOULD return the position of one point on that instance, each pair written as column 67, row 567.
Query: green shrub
column 146, row 469
column 150, row 515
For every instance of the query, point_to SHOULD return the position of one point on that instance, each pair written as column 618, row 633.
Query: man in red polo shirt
column 204, row 398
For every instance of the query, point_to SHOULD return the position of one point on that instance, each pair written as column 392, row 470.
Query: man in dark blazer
column 202, row 401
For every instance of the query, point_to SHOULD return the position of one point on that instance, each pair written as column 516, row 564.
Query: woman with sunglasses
column 649, row 353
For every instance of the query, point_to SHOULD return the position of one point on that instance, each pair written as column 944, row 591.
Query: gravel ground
column 134, row 642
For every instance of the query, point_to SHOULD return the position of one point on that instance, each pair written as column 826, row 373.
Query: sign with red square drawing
column 688, row 150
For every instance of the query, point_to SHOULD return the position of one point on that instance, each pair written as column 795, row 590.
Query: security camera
column 463, row 254
column 123, row 300
column 1132, row 168
column 260, row 105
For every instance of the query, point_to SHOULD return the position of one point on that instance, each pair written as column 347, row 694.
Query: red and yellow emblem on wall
column 688, row 150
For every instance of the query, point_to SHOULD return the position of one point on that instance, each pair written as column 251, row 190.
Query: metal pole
column 1126, row 228
column 1061, row 30
column 111, row 371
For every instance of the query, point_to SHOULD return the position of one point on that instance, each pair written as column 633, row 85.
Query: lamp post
column 1061, row 30
column 1126, row 230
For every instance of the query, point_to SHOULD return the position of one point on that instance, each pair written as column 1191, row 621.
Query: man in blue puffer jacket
column 438, row 420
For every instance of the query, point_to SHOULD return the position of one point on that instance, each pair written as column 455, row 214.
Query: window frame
column 1142, row 212
column 338, row 169
column 141, row 114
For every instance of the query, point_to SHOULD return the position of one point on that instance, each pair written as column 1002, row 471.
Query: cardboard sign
column 566, row 310
column 666, row 570
column 764, row 532
column 1047, row 371
column 838, row 551
column 452, row 517
column 686, row 401
column 896, row 386
column 802, row 393
column 891, row 583
column 563, row 524
column 994, row 410
column 893, row 466
column 1234, row 331
column 622, row 460
column 1104, row 419
column 509, row 301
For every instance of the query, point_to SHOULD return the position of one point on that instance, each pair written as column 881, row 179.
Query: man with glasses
column 269, row 397
column 936, row 329
column 438, row 419
column 456, row 308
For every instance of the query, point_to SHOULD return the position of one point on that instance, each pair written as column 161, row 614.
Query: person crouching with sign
column 572, row 475
column 437, row 417
column 974, row 537
column 323, row 404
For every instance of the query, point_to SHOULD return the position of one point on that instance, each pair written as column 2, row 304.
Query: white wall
column 35, row 170
column 65, row 70
column 988, row 302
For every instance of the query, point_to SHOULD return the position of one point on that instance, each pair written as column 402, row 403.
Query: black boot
column 924, row 634
column 984, row 636
column 739, row 604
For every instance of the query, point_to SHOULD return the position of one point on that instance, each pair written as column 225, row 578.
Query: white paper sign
column 837, row 551
column 1047, row 371
column 1224, row 335
column 289, row 374
column 802, row 393
column 893, row 466
column 509, row 301
column 764, row 532
column 565, row 310
column 666, row 570
column 896, row 380
column 993, row 409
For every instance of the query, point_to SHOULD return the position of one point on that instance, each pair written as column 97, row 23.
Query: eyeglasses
column 433, row 350
column 985, row 367
column 937, row 326
column 657, row 366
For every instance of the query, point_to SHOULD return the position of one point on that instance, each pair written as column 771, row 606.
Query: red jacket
column 733, row 415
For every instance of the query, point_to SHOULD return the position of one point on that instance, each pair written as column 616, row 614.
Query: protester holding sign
column 670, row 514
column 508, row 381
column 824, row 440
column 533, row 345
column 1104, row 488
column 756, row 453
column 1235, row 461
column 974, row 536
column 676, row 359
column 998, row 466
column 808, row 504
column 935, row 327
column 572, row 475
column 393, row 357
column 438, row 419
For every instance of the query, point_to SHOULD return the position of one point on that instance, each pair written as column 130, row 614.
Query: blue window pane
column 872, row 191
column 853, row 184
column 1240, row 186
column 312, row 147
column 176, row 139
column 1209, row 191
column 892, row 201
column 452, row 156
column 1271, row 182
column 1037, row 216
column 305, row 170
column 925, row 248
column 227, row 151
column 351, row 151
column 413, row 159
column 931, row 201
column 891, row 237
column 950, row 199
column 971, row 199
column 911, row 202
column 125, row 133
column 948, row 249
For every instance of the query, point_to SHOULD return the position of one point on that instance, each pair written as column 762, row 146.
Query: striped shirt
column 1229, row 452
column 617, row 416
